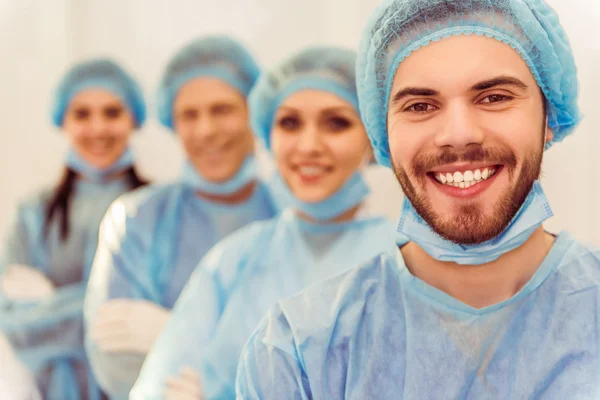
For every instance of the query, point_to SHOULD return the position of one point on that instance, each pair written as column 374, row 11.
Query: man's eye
column 420, row 108
column 495, row 98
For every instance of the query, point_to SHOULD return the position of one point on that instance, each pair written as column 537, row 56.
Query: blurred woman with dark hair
column 51, row 245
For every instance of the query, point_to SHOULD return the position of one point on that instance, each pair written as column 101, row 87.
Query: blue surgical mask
column 95, row 174
column 246, row 174
column 350, row 195
column 534, row 211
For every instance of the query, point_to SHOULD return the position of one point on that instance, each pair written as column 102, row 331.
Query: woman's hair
column 60, row 202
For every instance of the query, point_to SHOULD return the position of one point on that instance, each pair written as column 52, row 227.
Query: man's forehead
column 459, row 63
column 207, row 91
column 95, row 97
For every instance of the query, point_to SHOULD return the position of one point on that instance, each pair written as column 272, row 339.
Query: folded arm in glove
column 25, row 283
column 185, row 386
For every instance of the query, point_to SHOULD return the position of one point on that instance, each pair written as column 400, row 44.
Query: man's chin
column 467, row 237
column 469, row 225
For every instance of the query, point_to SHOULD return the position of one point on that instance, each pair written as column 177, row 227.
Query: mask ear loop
column 549, row 135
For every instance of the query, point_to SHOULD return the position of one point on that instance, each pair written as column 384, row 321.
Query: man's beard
column 470, row 225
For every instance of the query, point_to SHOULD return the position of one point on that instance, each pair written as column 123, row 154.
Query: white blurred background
column 39, row 39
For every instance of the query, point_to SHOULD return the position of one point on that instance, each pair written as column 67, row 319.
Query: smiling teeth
column 465, row 179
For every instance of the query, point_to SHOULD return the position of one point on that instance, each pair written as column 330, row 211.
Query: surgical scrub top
column 48, row 336
column 150, row 242
column 378, row 332
column 239, row 280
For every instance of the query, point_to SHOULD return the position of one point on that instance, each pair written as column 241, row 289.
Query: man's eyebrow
column 483, row 85
column 413, row 91
column 499, row 81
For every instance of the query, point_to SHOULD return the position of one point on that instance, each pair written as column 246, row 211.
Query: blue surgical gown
column 378, row 332
column 48, row 336
column 150, row 242
column 238, row 281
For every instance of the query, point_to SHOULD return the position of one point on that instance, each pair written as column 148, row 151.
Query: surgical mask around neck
column 98, row 175
column 534, row 211
column 245, row 175
column 350, row 195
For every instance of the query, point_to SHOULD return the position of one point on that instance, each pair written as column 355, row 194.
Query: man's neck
column 483, row 285
column 238, row 197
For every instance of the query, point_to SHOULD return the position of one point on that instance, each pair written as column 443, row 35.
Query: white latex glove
column 128, row 326
column 185, row 386
column 24, row 283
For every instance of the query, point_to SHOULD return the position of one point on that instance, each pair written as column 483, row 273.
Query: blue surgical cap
column 213, row 56
column 324, row 68
column 103, row 74
column 399, row 27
